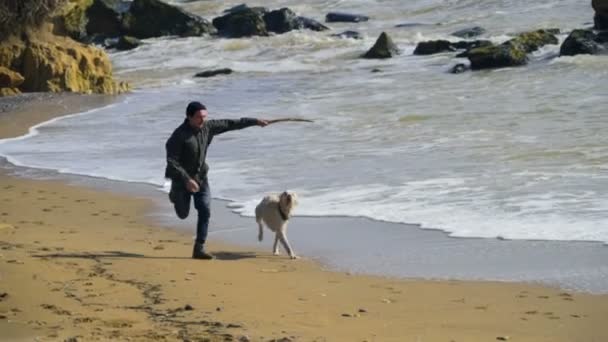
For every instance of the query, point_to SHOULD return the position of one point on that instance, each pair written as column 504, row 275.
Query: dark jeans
column 202, row 202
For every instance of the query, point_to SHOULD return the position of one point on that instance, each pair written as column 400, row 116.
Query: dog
column 275, row 211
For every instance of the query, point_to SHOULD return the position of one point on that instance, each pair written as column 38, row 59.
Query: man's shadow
column 222, row 255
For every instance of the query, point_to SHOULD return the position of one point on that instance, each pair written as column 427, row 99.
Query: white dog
column 275, row 211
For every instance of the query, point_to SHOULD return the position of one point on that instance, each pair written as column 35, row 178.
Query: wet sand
column 89, row 263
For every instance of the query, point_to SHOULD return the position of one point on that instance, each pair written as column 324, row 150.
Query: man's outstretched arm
column 225, row 125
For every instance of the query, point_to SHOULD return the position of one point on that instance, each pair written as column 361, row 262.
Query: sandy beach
column 82, row 264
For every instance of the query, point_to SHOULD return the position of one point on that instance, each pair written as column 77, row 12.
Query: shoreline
column 145, row 274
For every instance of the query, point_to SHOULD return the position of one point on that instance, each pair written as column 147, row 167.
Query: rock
column 469, row 32
column 72, row 19
column 10, row 79
column 348, row 34
column 211, row 73
column 496, row 56
column 512, row 52
column 127, row 43
column 188, row 307
column 105, row 17
column 432, row 47
column 282, row 20
column 581, row 42
column 600, row 18
column 243, row 7
column 437, row 46
column 154, row 18
column 311, row 24
column 405, row 25
column 244, row 23
column 65, row 65
column 459, row 68
column 533, row 40
column 383, row 48
column 333, row 17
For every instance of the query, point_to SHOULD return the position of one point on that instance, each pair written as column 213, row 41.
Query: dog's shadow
column 228, row 256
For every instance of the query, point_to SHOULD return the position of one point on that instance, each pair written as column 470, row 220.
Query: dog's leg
column 275, row 247
column 261, row 232
column 285, row 242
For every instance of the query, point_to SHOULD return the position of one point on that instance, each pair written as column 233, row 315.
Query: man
column 187, row 169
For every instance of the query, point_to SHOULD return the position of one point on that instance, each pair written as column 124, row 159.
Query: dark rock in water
column 600, row 18
column 404, row 25
column 105, row 17
column 459, row 68
column 468, row 45
column 243, row 7
column 244, row 23
column 469, row 32
column 348, row 34
column 127, row 43
column 497, row 56
column 581, row 42
column 437, row 46
column 311, row 24
column 282, row 20
column 374, row 70
column 533, row 40
column 383, row 48
column 154, row 18
column 602, row 37
column 510, row 53
column 211, row 73
column 333, row 17
column 433, row 46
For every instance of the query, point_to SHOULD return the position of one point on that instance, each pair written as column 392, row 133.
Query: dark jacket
column 187, row 148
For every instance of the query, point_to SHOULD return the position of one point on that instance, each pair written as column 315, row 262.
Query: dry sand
column 83, row 263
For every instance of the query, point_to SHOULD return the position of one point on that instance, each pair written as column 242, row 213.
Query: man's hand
column 262, row 123
column 192, row 186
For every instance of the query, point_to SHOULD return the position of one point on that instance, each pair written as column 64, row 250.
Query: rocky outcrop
column 154, row 18
column 601, row 14
column 52, row 63
column 72, row 19
column 512, row 52
column 9, row 81
column 584, row 42
column 383, row 48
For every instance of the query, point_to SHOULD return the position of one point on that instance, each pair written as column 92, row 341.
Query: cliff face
column 33, row 59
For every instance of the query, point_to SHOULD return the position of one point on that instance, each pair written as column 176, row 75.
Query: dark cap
column 193, row 107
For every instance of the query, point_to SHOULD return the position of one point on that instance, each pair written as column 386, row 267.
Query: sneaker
column 199, row 253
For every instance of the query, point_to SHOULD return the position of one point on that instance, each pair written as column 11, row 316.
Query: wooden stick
column 288, row 119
